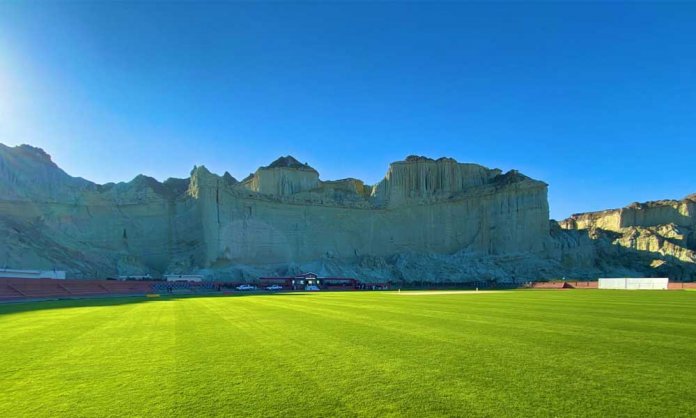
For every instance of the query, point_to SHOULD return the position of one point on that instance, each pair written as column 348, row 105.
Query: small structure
column 635, row 283
column 305, row 280
column 374, row 286
column 32, row 274
column 135, row 277
column 302, row 281
column 183, row 278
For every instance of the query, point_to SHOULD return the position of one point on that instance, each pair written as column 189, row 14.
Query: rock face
column 651, row 214
column 284, row 177
column 285, row 214
column 28, row 173
column 278, row 219
column 433, row 220
column 653, row 238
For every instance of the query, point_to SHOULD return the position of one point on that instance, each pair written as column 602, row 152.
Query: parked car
column 312, row 288
column 274, row 287
column 246, row 287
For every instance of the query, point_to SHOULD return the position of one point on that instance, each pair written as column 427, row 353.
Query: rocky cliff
column 281, row 217
column 284, row 214
column 652, row 238
column 435, row 220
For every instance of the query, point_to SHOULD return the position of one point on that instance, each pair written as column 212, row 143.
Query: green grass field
column 532, row 353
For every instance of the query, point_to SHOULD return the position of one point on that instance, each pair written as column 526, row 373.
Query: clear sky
column 598, row 100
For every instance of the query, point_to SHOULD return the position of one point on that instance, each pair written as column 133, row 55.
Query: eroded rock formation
column 434, row 220
column 653, row 238
column 282, row 216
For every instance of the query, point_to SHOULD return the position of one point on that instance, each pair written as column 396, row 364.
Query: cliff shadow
column 10, row 307
column 650, row 263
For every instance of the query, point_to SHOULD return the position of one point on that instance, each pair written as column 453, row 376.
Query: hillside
column 426, row 220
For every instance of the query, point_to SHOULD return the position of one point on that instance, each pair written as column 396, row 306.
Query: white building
column 31, row 274
column 635, row 283
column 183, row 277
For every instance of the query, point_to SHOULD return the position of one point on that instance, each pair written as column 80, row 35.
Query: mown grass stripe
column 567, row 353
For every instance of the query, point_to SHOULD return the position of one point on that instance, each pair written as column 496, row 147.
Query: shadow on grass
column 19, row 306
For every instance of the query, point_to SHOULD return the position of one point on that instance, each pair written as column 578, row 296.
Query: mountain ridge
column 427, row 218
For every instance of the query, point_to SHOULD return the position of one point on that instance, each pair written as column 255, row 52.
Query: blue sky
column 598, row 100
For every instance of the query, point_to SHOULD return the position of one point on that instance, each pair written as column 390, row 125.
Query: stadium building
column 305, row 280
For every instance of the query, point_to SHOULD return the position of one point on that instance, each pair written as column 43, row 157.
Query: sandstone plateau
column 426, row 220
